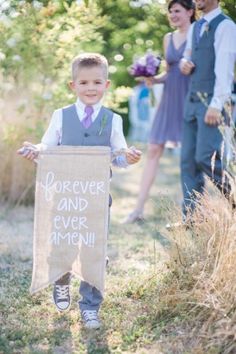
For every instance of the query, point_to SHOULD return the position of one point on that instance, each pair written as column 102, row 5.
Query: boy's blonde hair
column 87, row 60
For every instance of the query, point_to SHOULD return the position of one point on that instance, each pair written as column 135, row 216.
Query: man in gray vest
column 209, row 58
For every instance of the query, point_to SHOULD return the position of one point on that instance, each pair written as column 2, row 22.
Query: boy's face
column 90, row 84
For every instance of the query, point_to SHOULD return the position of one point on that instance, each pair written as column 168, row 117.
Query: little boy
column 80, row 125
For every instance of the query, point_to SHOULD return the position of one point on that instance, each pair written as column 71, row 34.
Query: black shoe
column 61, row 297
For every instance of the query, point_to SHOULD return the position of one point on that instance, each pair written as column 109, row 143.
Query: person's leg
column 61, row 292
column 191, row 175
column 89, row 304
column 154, row 154
column 210, row 155
column 91, row 297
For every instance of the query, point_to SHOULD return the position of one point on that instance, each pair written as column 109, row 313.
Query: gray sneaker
column 61, row 297
column 90, row 319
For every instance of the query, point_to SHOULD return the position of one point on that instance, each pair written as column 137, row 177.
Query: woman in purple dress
column 167, row 124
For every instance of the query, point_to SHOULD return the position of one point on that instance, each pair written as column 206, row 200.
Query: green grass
column 142, row 312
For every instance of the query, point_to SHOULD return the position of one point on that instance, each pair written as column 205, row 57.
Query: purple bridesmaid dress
column 167, row 124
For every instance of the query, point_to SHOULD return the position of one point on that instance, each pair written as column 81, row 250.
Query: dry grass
column 206, row 255
column 21, row 119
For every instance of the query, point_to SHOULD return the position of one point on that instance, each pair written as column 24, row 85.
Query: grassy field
column 148, row 306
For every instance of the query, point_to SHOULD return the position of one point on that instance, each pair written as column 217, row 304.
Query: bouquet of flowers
column 146, row 66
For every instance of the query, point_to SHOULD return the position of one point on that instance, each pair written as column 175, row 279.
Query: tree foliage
column 38, row 39
column 130, row 31
column 38, row 43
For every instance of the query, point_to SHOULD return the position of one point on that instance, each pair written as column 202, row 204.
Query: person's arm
column 51, row 137
column 225, row 51
column 118, row 142
column 53, row 134
column 161, row 78
column 186, row 65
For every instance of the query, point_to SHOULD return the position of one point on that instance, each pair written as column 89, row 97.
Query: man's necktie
column 87, row 120
column 198, row 25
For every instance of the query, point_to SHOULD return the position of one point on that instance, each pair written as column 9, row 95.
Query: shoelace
column 62, row 292
column 90, row 315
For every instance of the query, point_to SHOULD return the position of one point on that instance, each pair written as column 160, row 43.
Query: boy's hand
column 29, row 151
column 133, row 155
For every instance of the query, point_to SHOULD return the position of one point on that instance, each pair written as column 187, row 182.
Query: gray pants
column 199, row 143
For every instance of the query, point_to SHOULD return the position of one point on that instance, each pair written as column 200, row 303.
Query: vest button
column 86, row 135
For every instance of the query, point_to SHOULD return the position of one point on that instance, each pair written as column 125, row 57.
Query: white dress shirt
column 53, row 134
column 225, row 56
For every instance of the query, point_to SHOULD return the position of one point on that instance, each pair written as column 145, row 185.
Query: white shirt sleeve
column 118, row 140
column 188, row 47
column 53, row 134
column 225, row 55
column 117, row 136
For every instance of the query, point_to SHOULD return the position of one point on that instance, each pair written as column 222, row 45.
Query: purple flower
column 145, row 66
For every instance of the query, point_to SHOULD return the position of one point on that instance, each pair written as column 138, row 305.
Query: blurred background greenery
column 38, row 40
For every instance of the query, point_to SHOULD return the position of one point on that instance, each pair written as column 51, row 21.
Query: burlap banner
column 71, row 215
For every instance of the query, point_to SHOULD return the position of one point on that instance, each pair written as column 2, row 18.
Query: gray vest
column 203, row 56
column 74, row 133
